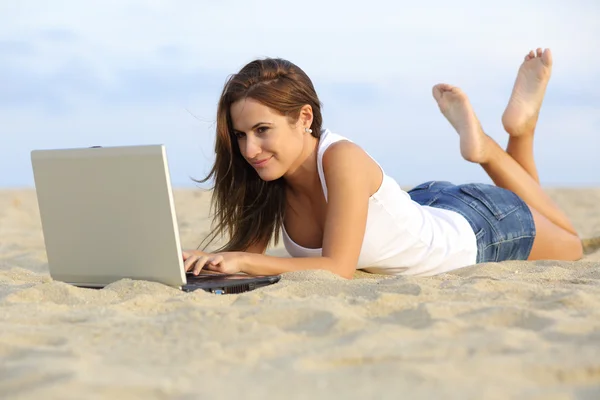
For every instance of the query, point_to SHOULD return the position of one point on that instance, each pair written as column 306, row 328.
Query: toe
column 547, row 57
column 443, row 87
column 439, row 90
column 539, row 52
column 529, row 55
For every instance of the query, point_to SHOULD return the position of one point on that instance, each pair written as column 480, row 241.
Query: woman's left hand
column 225, row 263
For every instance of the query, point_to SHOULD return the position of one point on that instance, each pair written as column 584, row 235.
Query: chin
column 269, row 176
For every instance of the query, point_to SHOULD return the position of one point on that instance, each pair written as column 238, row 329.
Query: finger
column 189, row 263
column 210, row 267
column 213, row 268
column 215, row 260
column 185, row 255
column 199, row 264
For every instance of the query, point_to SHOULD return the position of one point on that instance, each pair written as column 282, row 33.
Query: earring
column 307, row 130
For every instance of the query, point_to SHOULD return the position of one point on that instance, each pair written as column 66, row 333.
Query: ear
column 306, row 116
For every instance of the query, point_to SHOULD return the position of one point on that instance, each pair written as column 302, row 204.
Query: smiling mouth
column 261, row 162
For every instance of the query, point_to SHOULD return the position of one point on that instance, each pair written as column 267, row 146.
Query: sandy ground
column 507, row 330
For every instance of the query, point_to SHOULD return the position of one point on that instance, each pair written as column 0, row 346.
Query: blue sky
column 128, row 72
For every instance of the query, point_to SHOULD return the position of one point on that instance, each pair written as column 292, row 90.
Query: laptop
column 107, row 214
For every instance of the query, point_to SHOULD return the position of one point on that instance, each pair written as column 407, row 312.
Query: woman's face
column 267, row 139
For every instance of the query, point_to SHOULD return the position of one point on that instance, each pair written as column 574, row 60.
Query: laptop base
column 227, row 284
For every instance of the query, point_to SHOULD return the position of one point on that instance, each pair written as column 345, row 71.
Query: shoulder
column 345, row 150
column 346, row 160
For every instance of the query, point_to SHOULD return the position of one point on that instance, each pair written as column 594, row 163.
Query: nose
column 252, row 147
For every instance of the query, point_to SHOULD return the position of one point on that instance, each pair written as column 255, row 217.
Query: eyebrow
column 254, row 127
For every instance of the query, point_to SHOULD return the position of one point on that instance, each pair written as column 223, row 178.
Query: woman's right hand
column 191, row 258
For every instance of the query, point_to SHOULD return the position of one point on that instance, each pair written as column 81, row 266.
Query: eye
column 262, row 129
column 239, row 135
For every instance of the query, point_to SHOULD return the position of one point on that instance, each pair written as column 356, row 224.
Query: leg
column 521, row 150
column 552, row 224
column 521, row 114
column 553, row 242
column 508, row 174
column 556, row 237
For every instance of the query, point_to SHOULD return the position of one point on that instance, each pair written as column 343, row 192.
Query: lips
column 260, row 163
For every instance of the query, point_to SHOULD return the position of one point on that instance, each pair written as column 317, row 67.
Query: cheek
column 296, row 146
column 286, row 150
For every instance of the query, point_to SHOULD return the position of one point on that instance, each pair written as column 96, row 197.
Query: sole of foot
column 455, row 106
column 521, row 114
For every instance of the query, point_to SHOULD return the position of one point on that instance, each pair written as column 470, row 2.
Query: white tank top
column 402, row 237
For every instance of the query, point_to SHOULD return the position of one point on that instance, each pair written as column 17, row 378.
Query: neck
column 303, row 178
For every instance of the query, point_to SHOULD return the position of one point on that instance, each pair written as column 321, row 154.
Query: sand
column 495, row 331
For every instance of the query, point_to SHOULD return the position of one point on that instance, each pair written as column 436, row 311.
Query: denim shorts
column 502, row 221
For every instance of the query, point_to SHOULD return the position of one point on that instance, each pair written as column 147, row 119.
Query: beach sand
column 494, row 331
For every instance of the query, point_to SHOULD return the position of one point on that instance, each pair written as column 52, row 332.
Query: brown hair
column 245, row 207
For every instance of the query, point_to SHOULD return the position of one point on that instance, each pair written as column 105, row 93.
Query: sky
column 126, row 72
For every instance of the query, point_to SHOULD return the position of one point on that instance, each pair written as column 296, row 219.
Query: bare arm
column 259, row 264
column 191, row 257
column 349, row 187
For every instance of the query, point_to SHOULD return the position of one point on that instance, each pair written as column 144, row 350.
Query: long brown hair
column 249, row 210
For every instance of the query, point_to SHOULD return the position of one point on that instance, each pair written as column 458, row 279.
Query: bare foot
column 521, row 114
column 455, row 106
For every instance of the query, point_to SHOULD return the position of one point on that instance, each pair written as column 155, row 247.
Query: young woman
column 276, row 169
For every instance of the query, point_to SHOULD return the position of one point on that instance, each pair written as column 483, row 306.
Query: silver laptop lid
column 107, row 214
